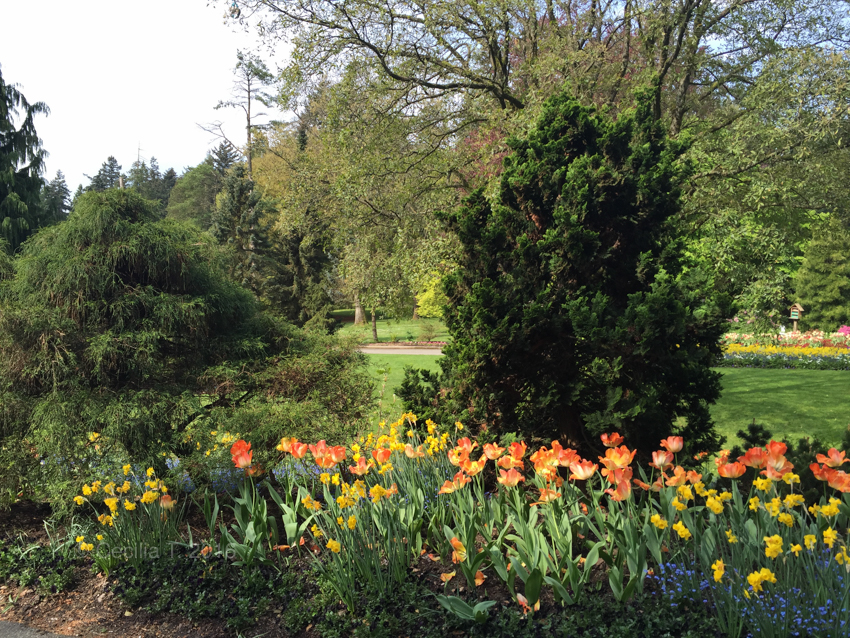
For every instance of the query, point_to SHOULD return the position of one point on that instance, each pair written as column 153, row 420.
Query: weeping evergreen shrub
column 123, row 324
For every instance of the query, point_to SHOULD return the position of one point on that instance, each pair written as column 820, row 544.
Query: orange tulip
column 732, row 470
column 285, row 444
column 680, row 477
column 621, row 492
column 510, row 478
column 617, row 457
column 582, row 470
column 392, row 491
column 413, row 453
column 694, row 477
column 241, row 454
column 509, row 462
column 722, row 458
column 839, row 480
column 547, row 496
column 466, row 446
column 472, row 468
column 672, row 444
column 821, row 473
column 479, row 578
column 644, row 486
column 493, row 451
column 447, row 577
column 523, row 603
column 361, row 468
column 565, row 456
column 166, row 502
column 517, row 450
column 662, row 460
column 755, row 458
column 459, row 550
column 459, row 480
column 381, row 454
column 298, row 450
column 611, row 440
column 833, row 458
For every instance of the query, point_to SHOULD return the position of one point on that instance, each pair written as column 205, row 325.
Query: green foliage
column 108, row 176
column 432, row 299
column 21, row 165
column 823, row 282
column 570, row 312
column 193, row 197
column 183, row 582
column 46, row 568
column 150, row 183
column 122, row 323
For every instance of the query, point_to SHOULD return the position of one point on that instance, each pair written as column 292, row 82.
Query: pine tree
column 21, row 165
column 823, row 281
column 107, row 177
column 56, row 199
column 224, row 156
column 570, row 312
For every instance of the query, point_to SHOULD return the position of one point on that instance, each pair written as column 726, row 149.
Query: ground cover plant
column 546, row 530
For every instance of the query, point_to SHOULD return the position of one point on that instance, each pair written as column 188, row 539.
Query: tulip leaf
column 532, row 586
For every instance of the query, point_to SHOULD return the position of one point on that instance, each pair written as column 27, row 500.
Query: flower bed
column 806, row 351
column 546, row 530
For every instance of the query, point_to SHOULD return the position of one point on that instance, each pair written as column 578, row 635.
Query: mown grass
column 789, row 403
column 391, row 330
column 388, row 371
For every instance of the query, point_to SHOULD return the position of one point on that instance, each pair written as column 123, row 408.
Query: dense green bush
column 121, row 324
column 823, row 281
column 571, row 311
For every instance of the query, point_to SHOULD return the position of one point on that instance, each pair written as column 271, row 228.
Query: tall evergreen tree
column 823, row 281
column 193, row 196
column 107, row 177
column 224, row 156
column 571, row 313
column 21, row 164
column 56, row 199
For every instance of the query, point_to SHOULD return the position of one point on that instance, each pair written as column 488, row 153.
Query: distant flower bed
column 786, row 356
column 811, row 339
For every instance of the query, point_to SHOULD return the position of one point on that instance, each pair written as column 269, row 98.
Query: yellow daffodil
column 659, row 522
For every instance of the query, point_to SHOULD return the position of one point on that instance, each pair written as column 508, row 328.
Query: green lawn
column 790, row 403
column 388, row 372
column 391, row 330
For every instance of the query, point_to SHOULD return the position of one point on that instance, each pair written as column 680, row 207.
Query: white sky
column 120, row 73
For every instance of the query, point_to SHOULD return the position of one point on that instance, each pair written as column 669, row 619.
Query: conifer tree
column 21, row 164
column 571, row 313
column 56, row 199
column 109, row 176
column 823, row 281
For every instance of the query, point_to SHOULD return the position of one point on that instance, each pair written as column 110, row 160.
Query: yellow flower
column 109, row 488
column 79, row 539
column 714, row 505
column 794, row 500
column 678, row 504
column 786, row 519
column 376, row 493
column 685, row 492
column 94, row 436
column 841, row 557
column 757, row 578
column 754, row 503
column 410, row 434
column 810, row 540
column 310, row 504
column 207, row 453
column 774, row 546
column 149, row 497
column 387, row 467
column 829, row 536
column 829, row 510
column 79, row 500
column 124, row 488
column 335, row 479
column 719, row 569
column 325, row 478
column 773, row 506
column 659, row 522
column 682, row 531
column 149, row 472
column 725, row 496
column 112, row 504
column 790, row 477
column 796, row 549
column 458, row 426
column 699, row 488
column 731, row 537
column 129, row 506
column 213, row 432
column 813, row 509
column 126, row 469
column 334, row 546
column 100, row 537
column 340, row 521
column 352, row 522
column 762, row 484
column 95, row 486
column 86, row 547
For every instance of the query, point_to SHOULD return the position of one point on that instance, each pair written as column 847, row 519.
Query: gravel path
column 14, row 630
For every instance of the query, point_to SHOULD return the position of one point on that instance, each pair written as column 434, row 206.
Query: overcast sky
column 117, row 74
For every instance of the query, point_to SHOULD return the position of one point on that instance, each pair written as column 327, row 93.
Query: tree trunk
column 374, row 326
column 415, row 309
column 359, row 315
